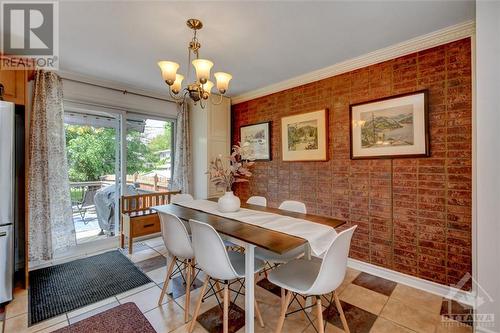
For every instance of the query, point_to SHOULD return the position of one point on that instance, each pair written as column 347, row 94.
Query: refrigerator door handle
column 3, row 234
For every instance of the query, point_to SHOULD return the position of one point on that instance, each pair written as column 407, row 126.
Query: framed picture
column 258, row 138
column 391, row 127
column 304, row 137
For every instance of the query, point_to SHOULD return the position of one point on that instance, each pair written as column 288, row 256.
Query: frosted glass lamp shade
column 176, row 86
column 222, row 81
column 207, row 89
column 202, row 67
column 168, row 71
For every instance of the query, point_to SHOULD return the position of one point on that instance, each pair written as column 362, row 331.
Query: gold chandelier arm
column 173, row 96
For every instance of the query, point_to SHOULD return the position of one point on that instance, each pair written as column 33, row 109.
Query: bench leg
column 122, row 240
column 130, row 245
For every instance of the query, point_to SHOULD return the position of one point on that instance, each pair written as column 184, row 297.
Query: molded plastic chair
column 311, row 278
column 182, row 197
column 274, row 258
column 257, row 200
column 178, row 243
column 218, row 264
column 293, row 206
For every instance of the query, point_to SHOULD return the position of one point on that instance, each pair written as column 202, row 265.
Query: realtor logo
column 29, row 34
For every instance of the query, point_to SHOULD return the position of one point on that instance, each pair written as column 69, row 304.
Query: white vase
column 228, row 203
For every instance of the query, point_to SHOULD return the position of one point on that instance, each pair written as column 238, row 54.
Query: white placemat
column 318, row 235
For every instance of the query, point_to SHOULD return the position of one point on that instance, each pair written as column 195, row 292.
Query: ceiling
column 260, row 43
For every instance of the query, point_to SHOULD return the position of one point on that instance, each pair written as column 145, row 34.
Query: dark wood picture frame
column 427, row 152
column 327, row 136
column 269, row 130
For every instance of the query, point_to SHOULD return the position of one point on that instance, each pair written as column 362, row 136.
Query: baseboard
column 415, row 282
column 479, row 329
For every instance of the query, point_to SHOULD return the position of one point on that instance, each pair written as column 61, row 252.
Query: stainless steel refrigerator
column 7, row 199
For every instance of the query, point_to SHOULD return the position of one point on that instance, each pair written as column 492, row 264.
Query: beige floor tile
column 158, row 275
column 414, row 318
column 350, row 275
column 93, row 312
column 166, row 318
column 418, row 298
column 143, row 255
column 183, row 329
column 90, row 307
column 383, row 325
column 19, row 324
column 135, row 290
column 153, row 242
column 54, row 327
column 329, row 329
column 363, row 298
column 452, row 326
column 18, row 305
column 161, row 249
column 146, row 300
column 195, row 294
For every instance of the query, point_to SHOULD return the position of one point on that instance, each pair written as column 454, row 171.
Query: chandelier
column 199, row 90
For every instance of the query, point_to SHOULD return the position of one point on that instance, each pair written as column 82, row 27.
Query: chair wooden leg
column 341, row 312
column 167, row 280
column 225, row 323
column 258, row 314
column 319, row 308
column 283, row 296
column 188, row 290
column 219, row 289
column 281, row 320
column 198, row 305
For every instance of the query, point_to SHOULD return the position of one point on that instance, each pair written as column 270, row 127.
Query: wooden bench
column 137, row 219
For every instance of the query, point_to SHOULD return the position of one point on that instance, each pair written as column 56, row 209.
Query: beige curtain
column 50, row 217
column 181, row 177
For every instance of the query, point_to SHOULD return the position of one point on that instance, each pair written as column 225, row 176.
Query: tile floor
column 371, row 304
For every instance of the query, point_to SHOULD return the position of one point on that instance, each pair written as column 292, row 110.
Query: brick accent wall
column 413, row 215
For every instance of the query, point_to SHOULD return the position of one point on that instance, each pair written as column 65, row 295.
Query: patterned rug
column 126, row 318
column 58, row 289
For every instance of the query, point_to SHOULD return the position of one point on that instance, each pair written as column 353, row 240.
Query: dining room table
column 245, row 228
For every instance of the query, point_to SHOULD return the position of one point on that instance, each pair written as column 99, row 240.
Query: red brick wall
column 413, row 215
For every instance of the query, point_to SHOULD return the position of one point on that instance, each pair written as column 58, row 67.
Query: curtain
column 50, row 216
column 182, row 157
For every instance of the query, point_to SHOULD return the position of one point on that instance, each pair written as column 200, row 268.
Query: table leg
column 249, row 288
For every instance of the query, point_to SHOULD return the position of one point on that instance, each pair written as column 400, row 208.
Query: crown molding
column 439, row 37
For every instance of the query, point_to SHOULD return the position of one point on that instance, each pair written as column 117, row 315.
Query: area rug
column 58, row 289
column 126, row 318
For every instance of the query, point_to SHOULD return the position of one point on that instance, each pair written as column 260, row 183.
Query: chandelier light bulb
column 168, row 71
column 176, row 86
column 202, row 67
column 222, row 81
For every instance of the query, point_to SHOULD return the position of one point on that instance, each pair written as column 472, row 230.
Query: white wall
column 488, row 159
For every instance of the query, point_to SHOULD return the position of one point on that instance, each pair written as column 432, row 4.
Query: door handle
column 3, row 233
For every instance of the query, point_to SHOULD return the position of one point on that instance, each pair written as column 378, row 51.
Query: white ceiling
column 260, row 43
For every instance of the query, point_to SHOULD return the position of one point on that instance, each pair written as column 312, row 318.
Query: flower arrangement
column 224, row 176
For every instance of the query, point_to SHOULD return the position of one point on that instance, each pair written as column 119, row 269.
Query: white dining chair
column 178, row 243
column 272, row 258
column 293, row 206
column 257, row 200
column 311, row 278
column 181, row 197
column 220, row 265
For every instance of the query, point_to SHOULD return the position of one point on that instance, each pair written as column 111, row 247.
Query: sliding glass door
column 149, row 143
column 104, row 146
column 93, row 153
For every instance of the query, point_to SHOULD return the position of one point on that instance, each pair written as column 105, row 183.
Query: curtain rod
column 120, row 90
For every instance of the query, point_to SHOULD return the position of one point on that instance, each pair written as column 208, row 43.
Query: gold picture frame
column 304, row 137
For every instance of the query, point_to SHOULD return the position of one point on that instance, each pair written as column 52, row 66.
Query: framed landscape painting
column 304, row 137
column 258, row 138
column 391, row 127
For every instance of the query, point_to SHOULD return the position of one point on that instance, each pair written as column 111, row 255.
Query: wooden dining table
column 250, row 236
